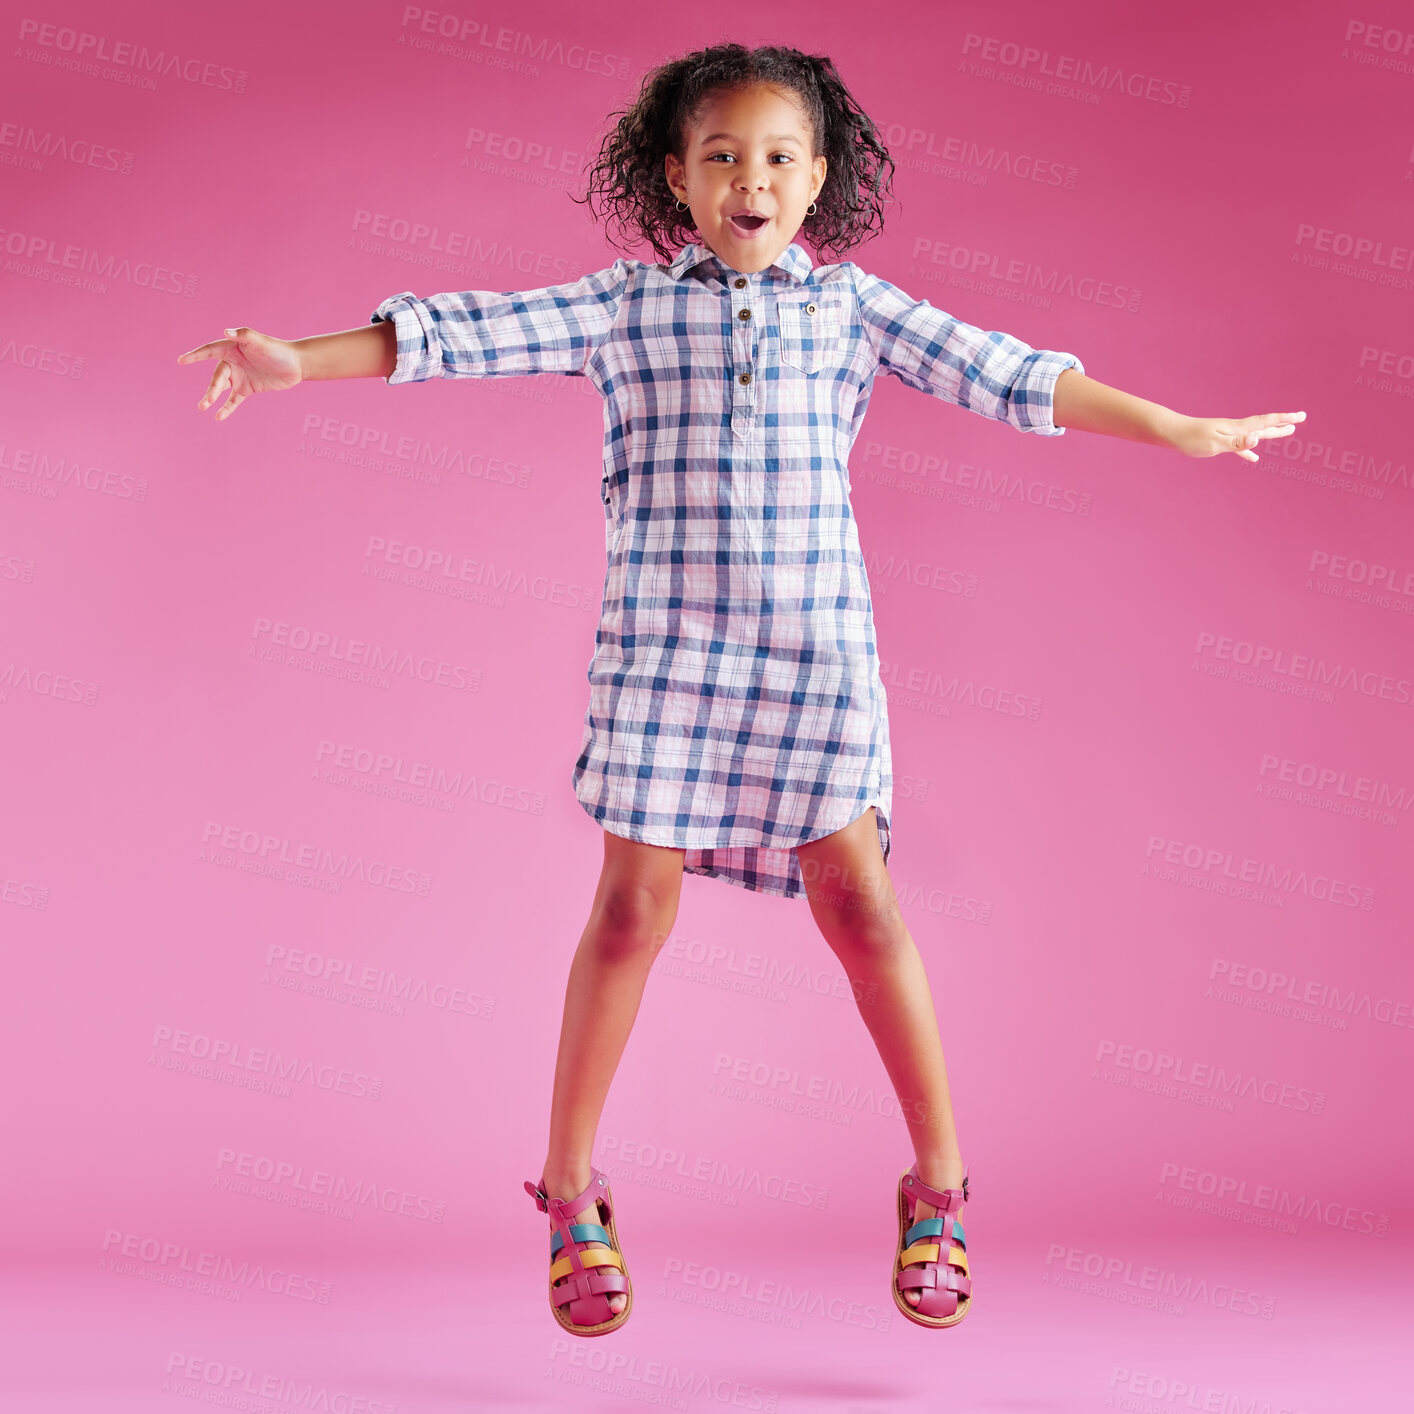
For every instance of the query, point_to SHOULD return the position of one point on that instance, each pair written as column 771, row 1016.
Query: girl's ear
column 672, row 170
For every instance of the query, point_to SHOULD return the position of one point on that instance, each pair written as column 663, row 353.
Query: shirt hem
column 765, row 884
column 751, row 840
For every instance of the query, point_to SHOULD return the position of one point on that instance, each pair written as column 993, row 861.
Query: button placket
column 745, row 344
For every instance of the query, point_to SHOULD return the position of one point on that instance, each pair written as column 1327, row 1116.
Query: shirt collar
column 793, row 262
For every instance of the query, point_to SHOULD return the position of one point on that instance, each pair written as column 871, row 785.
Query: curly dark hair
column 628, row 177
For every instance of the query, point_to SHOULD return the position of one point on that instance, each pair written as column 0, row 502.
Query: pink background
column 1214, row 202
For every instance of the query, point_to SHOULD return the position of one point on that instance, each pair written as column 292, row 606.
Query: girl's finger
column 219, row 380
column 232, row 403
column 1242, row 442
column 211, row 350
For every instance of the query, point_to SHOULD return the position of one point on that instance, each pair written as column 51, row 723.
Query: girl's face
column 748, row 151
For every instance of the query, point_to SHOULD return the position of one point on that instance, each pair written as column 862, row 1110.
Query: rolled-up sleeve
column 488, row 333
column 986, row 372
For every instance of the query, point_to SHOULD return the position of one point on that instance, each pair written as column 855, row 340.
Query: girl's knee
column 874, row 938
column 861, row 920
column 631, row 919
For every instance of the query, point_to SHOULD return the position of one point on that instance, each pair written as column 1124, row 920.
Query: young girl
column 737, row 725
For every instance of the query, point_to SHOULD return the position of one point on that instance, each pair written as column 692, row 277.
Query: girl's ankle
column 941, row 1171
column 566, row 1181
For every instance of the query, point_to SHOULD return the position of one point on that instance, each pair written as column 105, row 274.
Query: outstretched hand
column 1207, row 436
column 250, row 362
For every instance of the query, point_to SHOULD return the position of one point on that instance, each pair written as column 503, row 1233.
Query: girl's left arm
column 1088, row 405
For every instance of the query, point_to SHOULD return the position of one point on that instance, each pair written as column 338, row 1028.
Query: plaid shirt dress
column 735, row 704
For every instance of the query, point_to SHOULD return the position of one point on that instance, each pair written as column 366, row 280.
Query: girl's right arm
column 455, row 334
column 252, row 362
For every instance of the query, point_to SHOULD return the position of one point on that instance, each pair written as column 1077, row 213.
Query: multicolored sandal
column 944, row 1283
column 581, row 1300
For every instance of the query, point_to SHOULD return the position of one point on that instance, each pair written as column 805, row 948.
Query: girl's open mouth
column 748, row 225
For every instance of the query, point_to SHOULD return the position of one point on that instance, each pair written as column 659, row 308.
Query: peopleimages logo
column 1118, row 1278
column 47, row 256
column 1265, row 1198
column 348, row 657
column 282, row 855
column 1276, row 662
column 773, row 1301
column 788, row 1080
column 778, row 980
column 1022, row 59
column 1338, row 782
column 1290, row 995
column 85, row 52
column 1203, row 1076
column 321, row 1190
column 732, row 1175
column 237, row 1387
column 1233, row 873
column 1132, row 1389
column 253, row 1067
column 177, row 1264
column 1356, row 253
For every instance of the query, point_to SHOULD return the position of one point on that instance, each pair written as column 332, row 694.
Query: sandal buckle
column 542, row 1199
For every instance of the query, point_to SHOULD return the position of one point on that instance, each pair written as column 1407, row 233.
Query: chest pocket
column 811, row 332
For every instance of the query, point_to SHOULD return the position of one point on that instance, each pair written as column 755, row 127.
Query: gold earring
column 811, row 210
column 680, row 205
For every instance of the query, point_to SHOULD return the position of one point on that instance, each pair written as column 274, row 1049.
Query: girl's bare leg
column 852, row 899
column 633, row 912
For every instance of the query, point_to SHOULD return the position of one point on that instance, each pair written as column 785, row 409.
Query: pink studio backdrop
column 1151, row 716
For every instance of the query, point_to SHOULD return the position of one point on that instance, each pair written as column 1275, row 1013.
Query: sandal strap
column 935, row 1279
column 581, row 1262
column 931, row 1252
column 942, row 1199
column 579, row 1286
column 598, row 1188
column 936, row 1227
column 581, row 1232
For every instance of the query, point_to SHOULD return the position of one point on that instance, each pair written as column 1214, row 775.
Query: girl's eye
column 716, row 155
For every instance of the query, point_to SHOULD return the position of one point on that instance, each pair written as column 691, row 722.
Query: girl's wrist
column 300, row 349
column 1170, row 428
